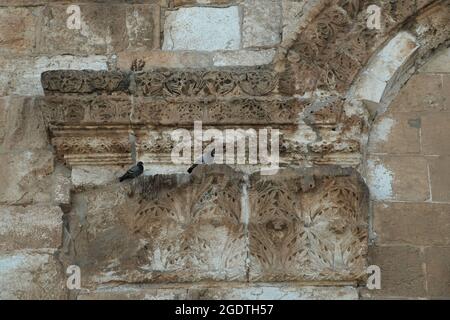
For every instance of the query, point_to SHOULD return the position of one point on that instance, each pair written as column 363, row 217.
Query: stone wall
column 78, row 106
column 407, row 169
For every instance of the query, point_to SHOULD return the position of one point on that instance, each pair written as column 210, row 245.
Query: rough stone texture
column 23, row 76
column 26, row 177
column 102, row 31
column 30, row 275
column 383, row 67
column 261, row 25
column 169, row 59
column 202, row 28
column 440, row 178
column 86, row 176
column 435, row 135
column 30, row 227
column 423, row 92
column 406, row 176
column 438, row 271
column 243, row 292
column 24, row 128
column 396, row 134
column 293, row 11
column 243, row 58
column 17, row 27
column 402, row 271
column 440, row 63
column 412, row 224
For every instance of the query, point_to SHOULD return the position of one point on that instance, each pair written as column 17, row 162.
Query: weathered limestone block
column 105, row 28
column 22, row 76
column 26, row 177
column 419, row 224
column 31, row 275
column 170, row 59
column 62, row 186
column 85, row 176
column 292, row 18
column 221, row 292
column 383, row 68
column 23, row 125
column 243, row 58
column 202, row 29
column 439, row 63
column 261, row 25
column 438, row 270
column 30, row 227
column 398, row 177
column 4, row 101
column 18, row 30
column 179, row 3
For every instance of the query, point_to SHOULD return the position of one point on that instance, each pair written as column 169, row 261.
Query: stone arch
column 403, row 87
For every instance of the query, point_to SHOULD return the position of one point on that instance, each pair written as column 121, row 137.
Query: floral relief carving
column 196, row 227
column 84, row 81
column 296, row 226
column 307, row 229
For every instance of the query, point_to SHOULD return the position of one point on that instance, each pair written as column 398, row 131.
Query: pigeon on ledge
column 206, row 159
column 133, row 172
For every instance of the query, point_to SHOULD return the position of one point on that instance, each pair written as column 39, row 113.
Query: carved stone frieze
column 69, row 110
column 78, row 145
column 84, row 81
column 219, row 225
column 332, row 49
column 235, row 111
column 113, row 110
column 164, row 82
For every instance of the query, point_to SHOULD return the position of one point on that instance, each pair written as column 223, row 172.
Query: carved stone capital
column 300, row 225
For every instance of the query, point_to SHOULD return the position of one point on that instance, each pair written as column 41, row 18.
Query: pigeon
column 133, row 172
column 206, row 159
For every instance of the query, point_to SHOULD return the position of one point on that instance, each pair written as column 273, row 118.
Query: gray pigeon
column 206, row 159
column 133, row 172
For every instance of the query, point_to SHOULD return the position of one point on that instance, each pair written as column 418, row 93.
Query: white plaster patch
column 380, row 181
column 202, row 29
column 27, row 74
column 382, row 130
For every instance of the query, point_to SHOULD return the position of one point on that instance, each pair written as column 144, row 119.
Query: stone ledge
column 272, row 291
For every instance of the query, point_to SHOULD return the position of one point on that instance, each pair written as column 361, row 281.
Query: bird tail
column 123, row 178
column 192, row 168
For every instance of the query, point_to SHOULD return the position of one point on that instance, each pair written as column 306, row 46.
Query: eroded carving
column 307, row 229
column 300, row 225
